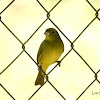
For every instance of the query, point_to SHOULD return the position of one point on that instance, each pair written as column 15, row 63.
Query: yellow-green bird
column 49, row 52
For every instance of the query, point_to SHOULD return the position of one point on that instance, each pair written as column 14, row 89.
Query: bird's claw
column 47, row 77
column 59, row 63
column 39, row 67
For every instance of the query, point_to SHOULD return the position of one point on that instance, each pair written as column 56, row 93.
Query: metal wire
column 85, row 90
column 11, row 63
column 7, row 92
column 72, row 48
column 6, row 7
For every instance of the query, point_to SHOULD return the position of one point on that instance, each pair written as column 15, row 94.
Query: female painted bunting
column 49, row 52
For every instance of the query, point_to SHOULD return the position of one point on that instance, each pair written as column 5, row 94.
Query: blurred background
column 23, row 18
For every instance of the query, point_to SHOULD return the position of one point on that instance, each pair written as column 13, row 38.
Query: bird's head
column 51, row 34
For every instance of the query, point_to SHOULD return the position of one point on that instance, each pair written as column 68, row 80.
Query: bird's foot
column 47, row 77
column 59, row 63
column 39, row 67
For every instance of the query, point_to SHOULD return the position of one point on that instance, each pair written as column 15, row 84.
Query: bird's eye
column 52, row 31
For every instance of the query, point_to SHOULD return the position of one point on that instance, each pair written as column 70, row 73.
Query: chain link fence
column 71, row 44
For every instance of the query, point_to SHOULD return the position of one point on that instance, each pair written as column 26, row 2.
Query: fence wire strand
column 85, row 90
column 72, row 48
column 11, row 63
column 11, row 31
column 7, row 92
column 7, row 6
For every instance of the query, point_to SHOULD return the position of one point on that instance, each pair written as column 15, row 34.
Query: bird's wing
column 40, row 50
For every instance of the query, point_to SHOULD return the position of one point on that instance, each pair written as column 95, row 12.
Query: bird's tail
column 39, row 79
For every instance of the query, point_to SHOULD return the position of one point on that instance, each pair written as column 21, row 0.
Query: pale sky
column 23, row 17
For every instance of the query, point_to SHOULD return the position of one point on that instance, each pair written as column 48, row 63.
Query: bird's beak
column 47, row 33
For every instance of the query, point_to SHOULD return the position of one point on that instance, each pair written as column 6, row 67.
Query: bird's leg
column 39, row 67
column 59, row 63
column 47, row 77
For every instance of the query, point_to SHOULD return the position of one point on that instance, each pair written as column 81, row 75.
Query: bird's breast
column 51, row 52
